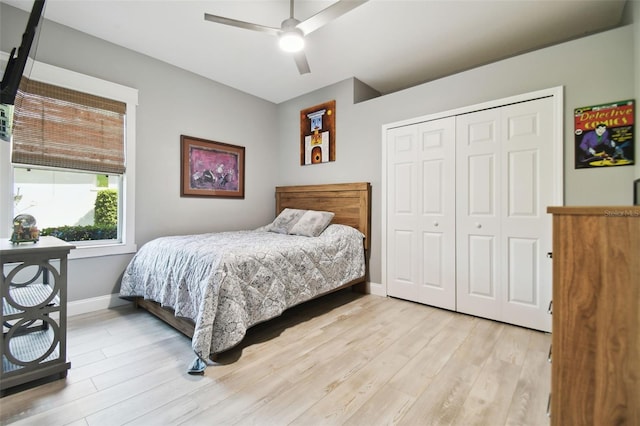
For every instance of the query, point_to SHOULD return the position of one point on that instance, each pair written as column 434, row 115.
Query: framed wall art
column 211, row 169
column 318, row 134
column 604, row 135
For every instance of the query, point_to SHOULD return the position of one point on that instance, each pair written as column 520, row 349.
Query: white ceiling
column 388, row 44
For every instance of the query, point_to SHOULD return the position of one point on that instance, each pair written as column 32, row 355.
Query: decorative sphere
column 25, row 220
column 24, row 229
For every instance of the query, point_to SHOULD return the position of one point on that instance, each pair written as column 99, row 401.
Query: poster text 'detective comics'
column 604, row 135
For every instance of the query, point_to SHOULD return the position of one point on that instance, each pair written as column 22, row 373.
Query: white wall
column 595, row 69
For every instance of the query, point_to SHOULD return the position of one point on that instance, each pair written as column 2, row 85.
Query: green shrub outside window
column 105, row 221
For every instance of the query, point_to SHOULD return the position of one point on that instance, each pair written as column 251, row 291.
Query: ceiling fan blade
column 301, row 62
column 242, row 24
column 327, row 15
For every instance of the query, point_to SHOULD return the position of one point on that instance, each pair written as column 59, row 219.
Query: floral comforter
column 226, row 282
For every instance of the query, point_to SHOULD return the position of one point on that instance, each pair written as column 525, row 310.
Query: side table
column 34, row 311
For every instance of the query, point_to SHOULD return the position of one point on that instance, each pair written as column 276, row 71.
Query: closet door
column 527, row 190
column 421, row 212
column 478, row 204
column 503, row 230
column 403, row 256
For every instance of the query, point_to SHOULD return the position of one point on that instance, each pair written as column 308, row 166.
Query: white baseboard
column 94, row 304
column 376, row 289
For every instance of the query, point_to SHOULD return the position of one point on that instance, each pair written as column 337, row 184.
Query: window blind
column 64, row 128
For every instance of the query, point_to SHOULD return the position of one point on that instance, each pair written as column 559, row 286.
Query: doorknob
column 478, row 225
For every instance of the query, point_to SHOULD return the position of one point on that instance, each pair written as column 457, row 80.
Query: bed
column 213, row 287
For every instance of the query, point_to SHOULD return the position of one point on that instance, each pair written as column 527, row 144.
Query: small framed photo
column 636, row 192
column 211, row 169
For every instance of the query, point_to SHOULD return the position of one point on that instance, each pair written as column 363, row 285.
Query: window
column 83, row 207
column 87, row 197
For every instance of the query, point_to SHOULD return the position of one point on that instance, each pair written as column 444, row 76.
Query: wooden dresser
column 595, row 356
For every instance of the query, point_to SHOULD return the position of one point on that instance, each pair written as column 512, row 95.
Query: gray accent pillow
column 312, row 223
column 285, row 220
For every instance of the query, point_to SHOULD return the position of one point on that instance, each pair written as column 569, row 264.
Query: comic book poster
column 604, row 135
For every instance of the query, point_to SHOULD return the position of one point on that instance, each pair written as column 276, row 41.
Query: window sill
column 87, row 251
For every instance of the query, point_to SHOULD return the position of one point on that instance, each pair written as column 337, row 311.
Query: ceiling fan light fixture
column 291, row 40
column 292, row 31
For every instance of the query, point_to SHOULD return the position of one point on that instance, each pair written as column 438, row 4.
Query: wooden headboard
column 350, row 202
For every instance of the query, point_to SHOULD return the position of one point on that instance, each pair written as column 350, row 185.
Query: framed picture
column 636, row 192
column 211, row 169
column 318, row 134
column 604, row 135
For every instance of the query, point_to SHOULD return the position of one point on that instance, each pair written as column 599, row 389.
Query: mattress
column 228, row 281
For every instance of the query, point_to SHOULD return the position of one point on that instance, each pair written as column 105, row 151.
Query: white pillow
column 312, row 223
column 285, row 221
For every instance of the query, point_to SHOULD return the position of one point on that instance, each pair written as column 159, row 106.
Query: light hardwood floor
column 345, row 359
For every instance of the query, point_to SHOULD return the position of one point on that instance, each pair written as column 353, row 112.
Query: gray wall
column 635, row 14
column 171, row 102
column 595, row 69
column 599, row 68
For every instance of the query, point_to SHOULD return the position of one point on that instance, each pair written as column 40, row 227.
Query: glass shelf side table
column 34, row 311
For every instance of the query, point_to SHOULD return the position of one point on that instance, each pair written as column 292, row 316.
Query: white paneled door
column 466, row 221
column 503, row 230
column 421, row 212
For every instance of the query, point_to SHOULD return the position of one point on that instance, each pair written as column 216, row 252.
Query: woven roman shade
column 63, row 128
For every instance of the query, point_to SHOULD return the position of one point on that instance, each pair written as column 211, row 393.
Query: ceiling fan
column 292, row 31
